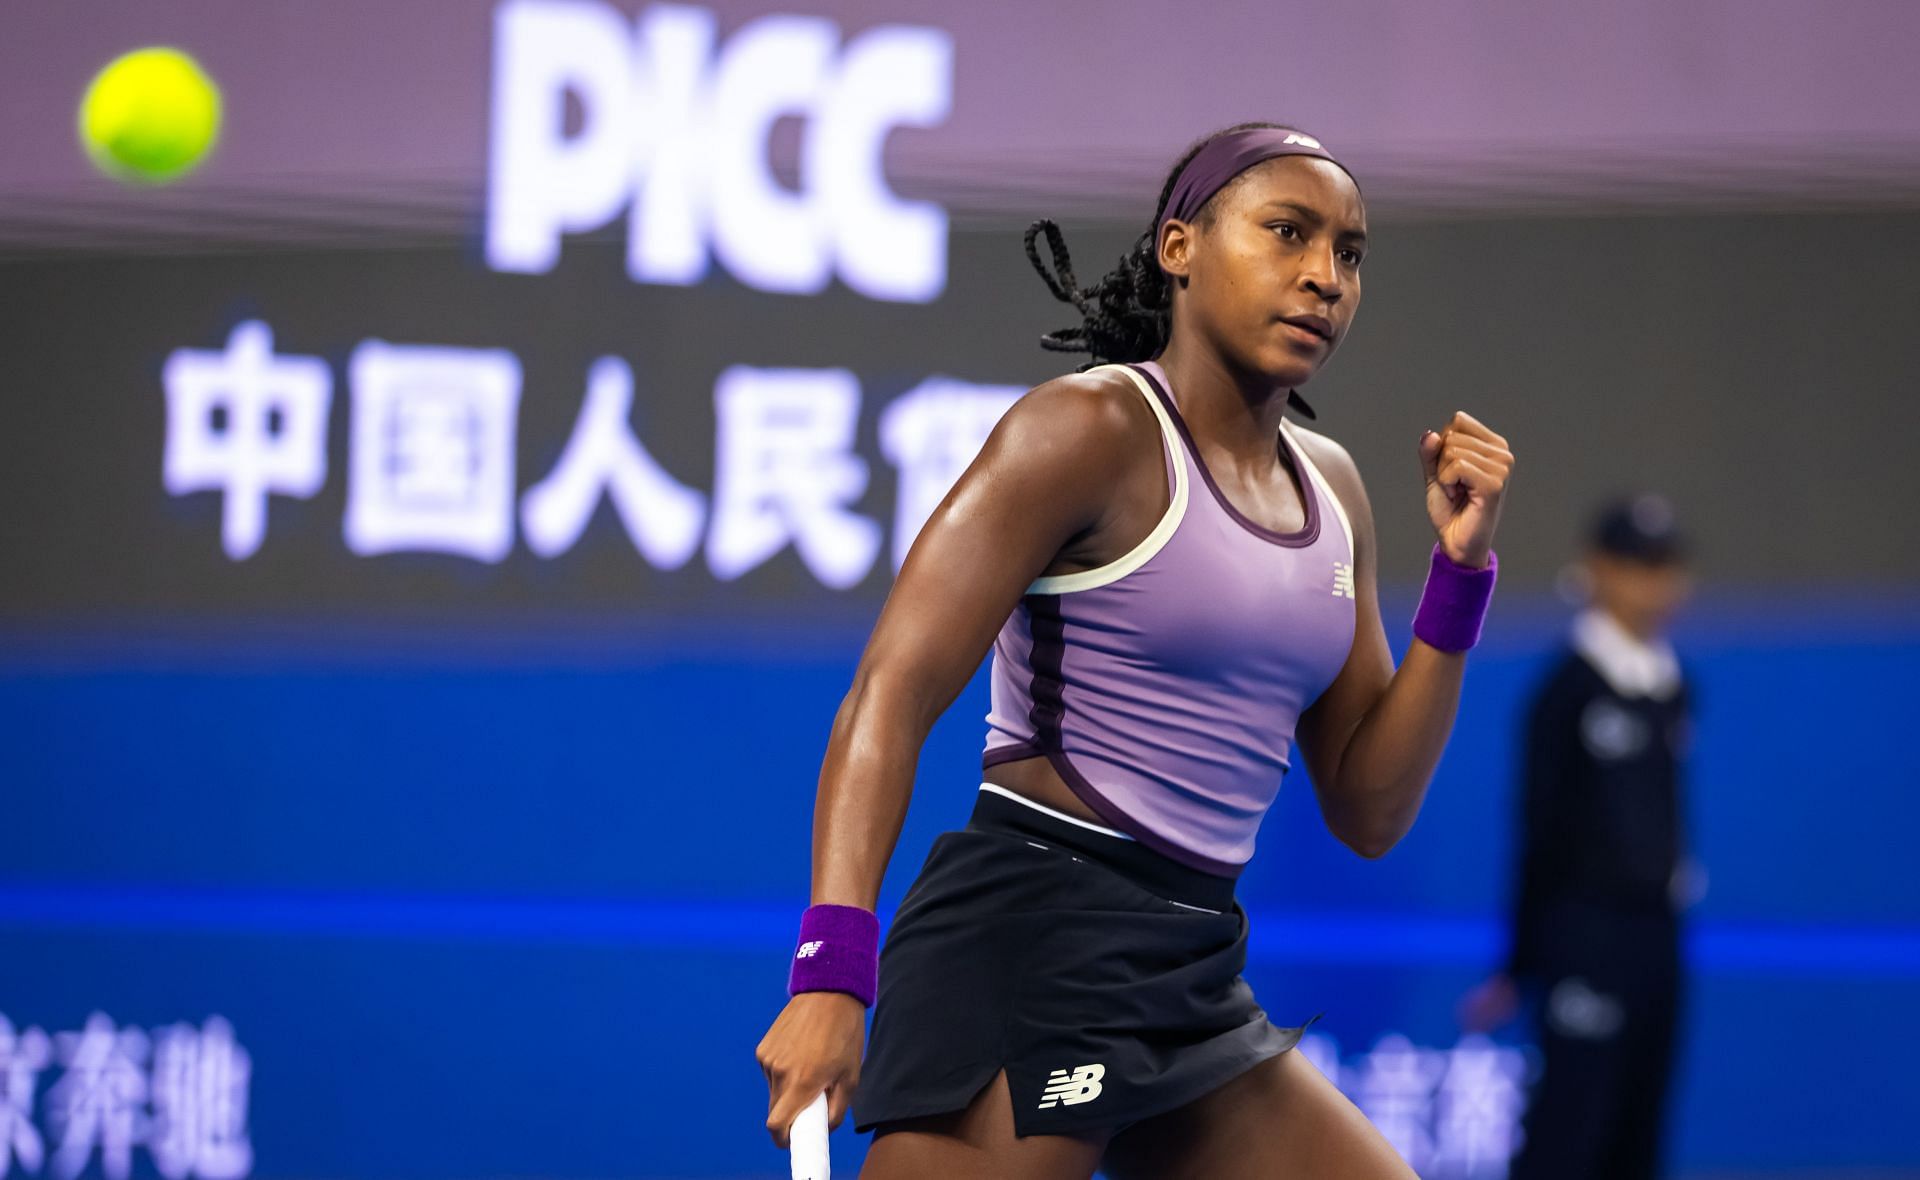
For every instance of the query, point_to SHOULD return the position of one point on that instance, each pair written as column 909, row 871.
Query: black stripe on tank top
column 1049, row 685
column 1049, row 712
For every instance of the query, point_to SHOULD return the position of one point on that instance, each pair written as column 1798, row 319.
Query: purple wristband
column 1454, row 604
column 839, row 951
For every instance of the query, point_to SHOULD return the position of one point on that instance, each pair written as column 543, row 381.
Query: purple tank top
column 1165, row 687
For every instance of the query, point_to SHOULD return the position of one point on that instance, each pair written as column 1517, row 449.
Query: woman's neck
column 1239, row 413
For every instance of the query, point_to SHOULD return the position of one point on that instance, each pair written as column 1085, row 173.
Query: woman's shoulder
column 1334, row 462
column 1091, row 413
column 1099, row 393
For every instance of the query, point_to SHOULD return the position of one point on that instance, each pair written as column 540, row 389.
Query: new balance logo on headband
column 1082, row 1085
column 1303, row 141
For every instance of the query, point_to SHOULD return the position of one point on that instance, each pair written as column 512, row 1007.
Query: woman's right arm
column 1043, row 484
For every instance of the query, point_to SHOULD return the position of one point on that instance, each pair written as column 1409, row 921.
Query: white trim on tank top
column 1346, row 526
column 1154, row 541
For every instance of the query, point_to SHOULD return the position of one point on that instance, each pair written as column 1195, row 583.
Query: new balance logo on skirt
column 808, row 950
column 1342, row 580
column 1082, row 1085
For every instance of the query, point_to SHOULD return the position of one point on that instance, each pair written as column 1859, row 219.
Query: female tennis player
column 1176, row 583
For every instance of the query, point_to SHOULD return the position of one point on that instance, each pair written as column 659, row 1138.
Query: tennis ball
column 150, row 116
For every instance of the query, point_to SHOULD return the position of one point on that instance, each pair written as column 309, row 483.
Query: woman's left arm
column 1372, row 740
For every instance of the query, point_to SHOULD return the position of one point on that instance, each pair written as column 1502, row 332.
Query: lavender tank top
column 1165, row 687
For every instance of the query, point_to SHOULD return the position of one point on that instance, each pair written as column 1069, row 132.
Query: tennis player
column 1176, row 583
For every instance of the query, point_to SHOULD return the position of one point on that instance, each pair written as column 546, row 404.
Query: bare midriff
column 1036, row 779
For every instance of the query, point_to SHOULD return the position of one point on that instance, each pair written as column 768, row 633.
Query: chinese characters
column 432, row 462
column 1452, row 1114
column 180, row 1092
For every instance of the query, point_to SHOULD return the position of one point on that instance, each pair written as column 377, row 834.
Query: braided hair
column 1127, row 316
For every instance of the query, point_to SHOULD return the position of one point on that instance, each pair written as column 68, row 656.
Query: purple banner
column 354, row 114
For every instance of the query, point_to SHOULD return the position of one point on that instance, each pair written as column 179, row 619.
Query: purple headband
column 1227, row 156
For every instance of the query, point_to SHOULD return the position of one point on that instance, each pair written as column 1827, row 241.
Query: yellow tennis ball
column 151, row 115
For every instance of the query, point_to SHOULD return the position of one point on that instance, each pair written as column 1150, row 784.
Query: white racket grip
column 807, row 1142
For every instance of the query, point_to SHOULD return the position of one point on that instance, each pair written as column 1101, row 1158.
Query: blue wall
column 517, row 901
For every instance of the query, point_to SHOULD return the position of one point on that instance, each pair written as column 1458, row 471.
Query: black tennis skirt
column 1102, row 976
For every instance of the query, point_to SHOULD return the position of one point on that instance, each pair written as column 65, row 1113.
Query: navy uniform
column 1597, row 930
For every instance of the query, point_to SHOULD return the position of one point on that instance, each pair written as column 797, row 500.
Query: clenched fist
column 1467, row 469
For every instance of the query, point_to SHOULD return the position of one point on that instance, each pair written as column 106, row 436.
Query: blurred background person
column 1601, row 865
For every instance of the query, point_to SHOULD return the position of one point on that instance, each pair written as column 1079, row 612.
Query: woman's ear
column 1174, row 247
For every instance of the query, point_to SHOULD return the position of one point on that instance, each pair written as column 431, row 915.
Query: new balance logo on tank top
column 1164, row 687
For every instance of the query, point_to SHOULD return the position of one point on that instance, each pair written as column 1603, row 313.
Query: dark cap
column 1641, row 528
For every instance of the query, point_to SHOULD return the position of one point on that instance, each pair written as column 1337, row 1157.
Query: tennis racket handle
column 807, row 1142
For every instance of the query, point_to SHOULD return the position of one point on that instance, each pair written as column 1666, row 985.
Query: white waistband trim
column 1062, row 816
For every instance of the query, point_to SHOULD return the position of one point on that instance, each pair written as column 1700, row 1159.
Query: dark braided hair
column 1127, row 315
